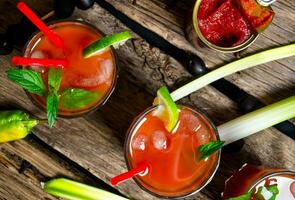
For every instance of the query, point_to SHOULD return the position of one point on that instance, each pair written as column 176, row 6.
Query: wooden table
column 90, row 149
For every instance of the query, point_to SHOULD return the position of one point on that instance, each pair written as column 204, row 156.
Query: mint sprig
column 54, row 81
column 30, row 80
column 261, row 194
column 75, row 98
column 208, row 149
column 51, row 108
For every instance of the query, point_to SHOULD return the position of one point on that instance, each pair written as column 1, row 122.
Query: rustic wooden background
column 90, row 149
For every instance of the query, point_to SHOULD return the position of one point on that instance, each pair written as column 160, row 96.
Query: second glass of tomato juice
column 176, row 170
column 96, row 74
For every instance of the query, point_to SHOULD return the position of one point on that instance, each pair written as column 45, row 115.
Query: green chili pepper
column 15, row 125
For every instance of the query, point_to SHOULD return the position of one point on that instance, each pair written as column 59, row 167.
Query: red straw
column 55, row 39
column 141, row 169
column 39, row 62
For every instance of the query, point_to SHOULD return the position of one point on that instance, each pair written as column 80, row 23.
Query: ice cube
column 203, row 136
column 102, row 76
column 189, row 121
column 159, row 140
column 38, row 54
column 139, row 142
column 106, row 70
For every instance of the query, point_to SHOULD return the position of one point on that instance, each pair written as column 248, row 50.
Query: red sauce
column 222, row 23
column 228, row 23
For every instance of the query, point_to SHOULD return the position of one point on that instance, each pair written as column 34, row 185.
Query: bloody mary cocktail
column 95, row 74
column 250, row 179
column 176, row 170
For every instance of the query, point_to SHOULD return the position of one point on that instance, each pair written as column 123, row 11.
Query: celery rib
column 235, row 66
column 258, row 120
column 72, row 190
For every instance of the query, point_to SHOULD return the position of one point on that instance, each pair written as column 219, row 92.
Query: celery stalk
column 235, row 66
column 77, row 191
column 257, row 120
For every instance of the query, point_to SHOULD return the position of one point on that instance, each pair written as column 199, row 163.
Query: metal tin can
column 195, row 36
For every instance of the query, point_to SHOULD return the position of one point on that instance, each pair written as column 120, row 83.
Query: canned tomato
column 227, row 25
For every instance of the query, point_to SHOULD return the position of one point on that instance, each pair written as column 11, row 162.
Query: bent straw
column 141, row 169
column 55, row 39
column 39, row 62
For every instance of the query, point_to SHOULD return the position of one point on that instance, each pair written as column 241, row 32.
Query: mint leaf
column 246, row 196
column 52, row 108
column 208, row 149
column 260, row 194
column 274, row 190
column 30, row 80
column 54, row 81
column 77, row 98
column 265, row 192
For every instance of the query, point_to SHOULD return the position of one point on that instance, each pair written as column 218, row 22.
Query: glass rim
column 130, row 130
column 270, row 174
column 234, row 49
column 115, row 73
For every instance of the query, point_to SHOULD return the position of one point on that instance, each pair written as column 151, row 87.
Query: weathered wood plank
column 25, row 164
column 270, row 82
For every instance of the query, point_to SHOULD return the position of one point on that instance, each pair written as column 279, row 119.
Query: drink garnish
column 233, row 67
column 58, row 63
column 54, row 81
column 28, row 79
column 167, row 110
column 103, row 44
column 73, row 98
column 208, row 149
column 257, row 120
column 141, row 169
column 15, row 125
column 73, row 190
column 263, row 193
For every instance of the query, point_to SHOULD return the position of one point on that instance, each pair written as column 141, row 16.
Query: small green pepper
column 15, row 125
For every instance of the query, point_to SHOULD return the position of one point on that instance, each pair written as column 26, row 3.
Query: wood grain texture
column 269, row 82
column 8, row 8
column 25, row 164
column 95, row 141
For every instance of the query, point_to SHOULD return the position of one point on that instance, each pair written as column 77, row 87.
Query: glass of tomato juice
column 95, row 74
column 175, row 168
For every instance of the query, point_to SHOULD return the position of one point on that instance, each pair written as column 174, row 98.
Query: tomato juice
column 95, row 74
column 250, row 178
column 176, row 170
